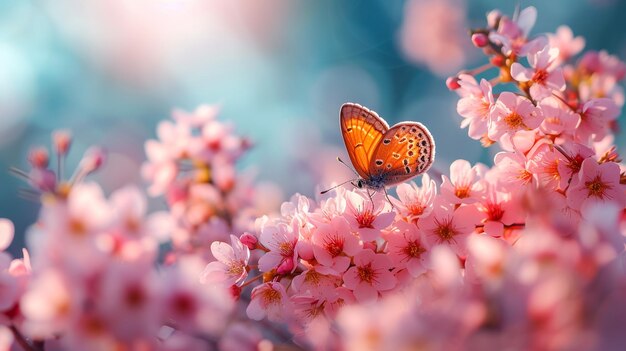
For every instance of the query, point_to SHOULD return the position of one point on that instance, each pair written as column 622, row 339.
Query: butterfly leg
column 371, row 195
column 388, row 199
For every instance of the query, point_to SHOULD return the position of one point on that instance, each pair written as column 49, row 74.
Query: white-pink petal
column 7, row 231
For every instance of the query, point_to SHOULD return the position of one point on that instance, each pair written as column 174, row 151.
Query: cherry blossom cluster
column 93, row 277
column 193, row 165
column 526, row 254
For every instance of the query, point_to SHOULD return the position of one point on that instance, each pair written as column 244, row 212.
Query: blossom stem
column 59, row 162
column 253, row 279
column 21, row 340
column 478, row 70
column 494, row 81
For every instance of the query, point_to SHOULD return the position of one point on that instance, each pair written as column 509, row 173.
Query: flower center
column 525, row 176
column 552, row 170
column 286, row 249
column 596, row 187
column 540, row 77
column 416, row 209
column 77, row 227
column 271, row 296
column 366, row 273
column 514, row 120
column 413, row 250
column 484, row 109
column 184, row 303
column 235, row 268
column 494, row 211
column 462, row 192
column 334, row 246
column 575, row 163
column 365, row 219
column 312, row 277
column 135, row 296
column 445, row 231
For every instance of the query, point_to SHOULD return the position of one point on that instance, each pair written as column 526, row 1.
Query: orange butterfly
column 384, row 156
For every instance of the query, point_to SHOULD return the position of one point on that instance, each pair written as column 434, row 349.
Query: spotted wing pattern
column 405, row 151
column 362, row 131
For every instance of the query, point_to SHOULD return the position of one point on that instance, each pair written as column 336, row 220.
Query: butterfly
column 384, row 156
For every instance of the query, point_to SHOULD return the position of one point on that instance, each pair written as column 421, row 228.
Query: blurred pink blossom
column 439, row 45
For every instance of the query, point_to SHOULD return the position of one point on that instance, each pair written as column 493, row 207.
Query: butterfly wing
column 405, row 151
column 362, row 131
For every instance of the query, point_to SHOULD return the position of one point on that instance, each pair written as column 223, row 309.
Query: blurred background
column 110, row 70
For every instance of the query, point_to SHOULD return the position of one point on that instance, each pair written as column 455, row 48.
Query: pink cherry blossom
column 487, row 259
column 202, row 115
column 330, row 207
column 191, row 306
column 512, row 171
column 513, row 113
column 449, row 227
column 334, row 244
column 575, row 154
column 475, row 105
column 439, row 46
column 595, row 117
column 127, row 300
column 269, row 300
column 7, row 230
column 129, row 207
column 596, row 183
column 406, row 248
column 464, row 185
column 601, row 86
column 368, row 216
column 500, row 208
column 369, row 276
column 544, row 79
column 544, row 165
column 231, row 264
column 416, row 202
column 513, row 33
column 50, row 304
column 161, row 170
column 558, row 119
column 567, row 44
column 280, row 239
column 319, row 281
column 603, row 63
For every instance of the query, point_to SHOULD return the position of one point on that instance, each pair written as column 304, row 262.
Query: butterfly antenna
column 350, row 168
column 335, row 187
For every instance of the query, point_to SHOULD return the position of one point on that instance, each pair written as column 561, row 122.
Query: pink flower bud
column 480, row 40
column 235, row 292
column 39, row 158
column 286, row 266
column 61, row 141
column 42, row 179
column 93, row 159
column 453, row 83
column 249, row 240
column 497, row 60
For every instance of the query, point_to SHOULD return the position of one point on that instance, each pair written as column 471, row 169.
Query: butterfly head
column 359, row 183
